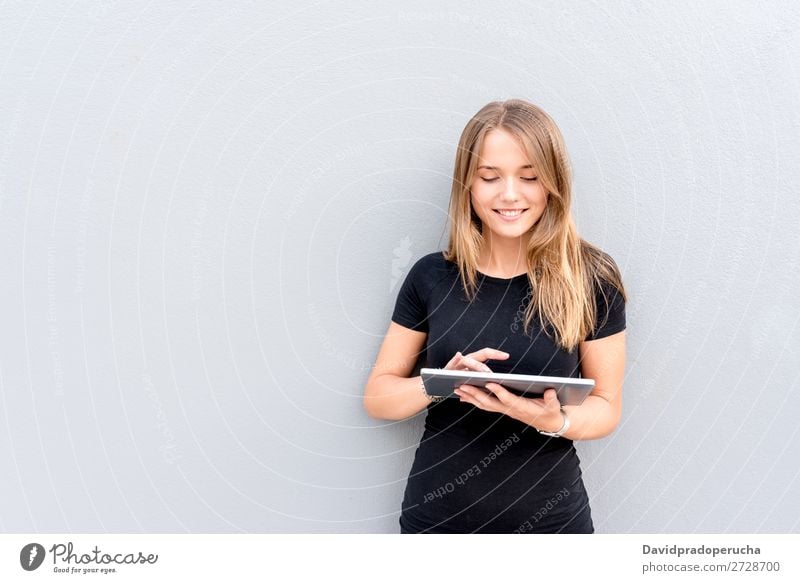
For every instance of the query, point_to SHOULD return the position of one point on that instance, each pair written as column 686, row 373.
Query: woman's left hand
column 542, row 413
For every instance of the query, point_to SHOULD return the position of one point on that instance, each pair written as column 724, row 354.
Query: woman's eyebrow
column 495, row 167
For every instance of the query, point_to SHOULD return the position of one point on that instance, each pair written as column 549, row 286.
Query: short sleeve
column 410, row 309
column 610, row 307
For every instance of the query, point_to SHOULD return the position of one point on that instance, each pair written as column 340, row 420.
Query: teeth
column 510, row 213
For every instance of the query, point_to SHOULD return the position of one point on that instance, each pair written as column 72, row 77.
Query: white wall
column 202, row 204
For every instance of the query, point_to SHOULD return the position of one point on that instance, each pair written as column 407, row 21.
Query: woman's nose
column 508, row 191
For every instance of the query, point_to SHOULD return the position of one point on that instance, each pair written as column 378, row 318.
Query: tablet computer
column 441, row 382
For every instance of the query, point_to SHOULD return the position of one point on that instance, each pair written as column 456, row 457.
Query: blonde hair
column 562, row 267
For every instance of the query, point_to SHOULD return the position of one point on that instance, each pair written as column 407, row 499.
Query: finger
column 469, row 394
column 471, row 390
column 474, row 364
column 485, row 354
column 502, row 394
column 464, row 393
column 551, row 399
column 506, row 401
column 467, row 398
column 454, row 361
column 485, row 399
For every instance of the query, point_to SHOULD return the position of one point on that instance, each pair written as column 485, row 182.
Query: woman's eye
column 495, row 178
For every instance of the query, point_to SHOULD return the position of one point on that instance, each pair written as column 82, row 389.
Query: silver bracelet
column 431, row 398
column 560, row 432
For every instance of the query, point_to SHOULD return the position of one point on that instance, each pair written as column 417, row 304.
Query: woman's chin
column 516, row 229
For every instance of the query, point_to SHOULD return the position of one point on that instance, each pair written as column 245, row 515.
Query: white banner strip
column 394, row 557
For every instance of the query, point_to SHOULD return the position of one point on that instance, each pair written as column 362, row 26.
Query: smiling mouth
column 509, row 212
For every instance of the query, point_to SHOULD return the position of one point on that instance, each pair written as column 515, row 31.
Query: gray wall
column 206, row 211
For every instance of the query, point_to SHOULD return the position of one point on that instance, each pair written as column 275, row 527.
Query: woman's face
column 505, row 181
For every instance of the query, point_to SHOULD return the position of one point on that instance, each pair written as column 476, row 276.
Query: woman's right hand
column 476, row 360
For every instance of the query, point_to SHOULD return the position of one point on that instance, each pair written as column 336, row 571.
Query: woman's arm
column 602, row 360
column 389, row 393
column 598, row 416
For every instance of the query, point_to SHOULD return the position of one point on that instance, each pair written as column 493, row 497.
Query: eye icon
column 31, row 556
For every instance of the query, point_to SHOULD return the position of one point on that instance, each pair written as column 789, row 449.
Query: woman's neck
column 504, row 258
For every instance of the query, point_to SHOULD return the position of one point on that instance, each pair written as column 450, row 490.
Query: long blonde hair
column 562, row 267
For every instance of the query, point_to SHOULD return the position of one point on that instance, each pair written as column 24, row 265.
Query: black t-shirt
column 475, row 470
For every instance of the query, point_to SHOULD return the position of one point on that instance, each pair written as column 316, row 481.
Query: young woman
column 517, row 288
